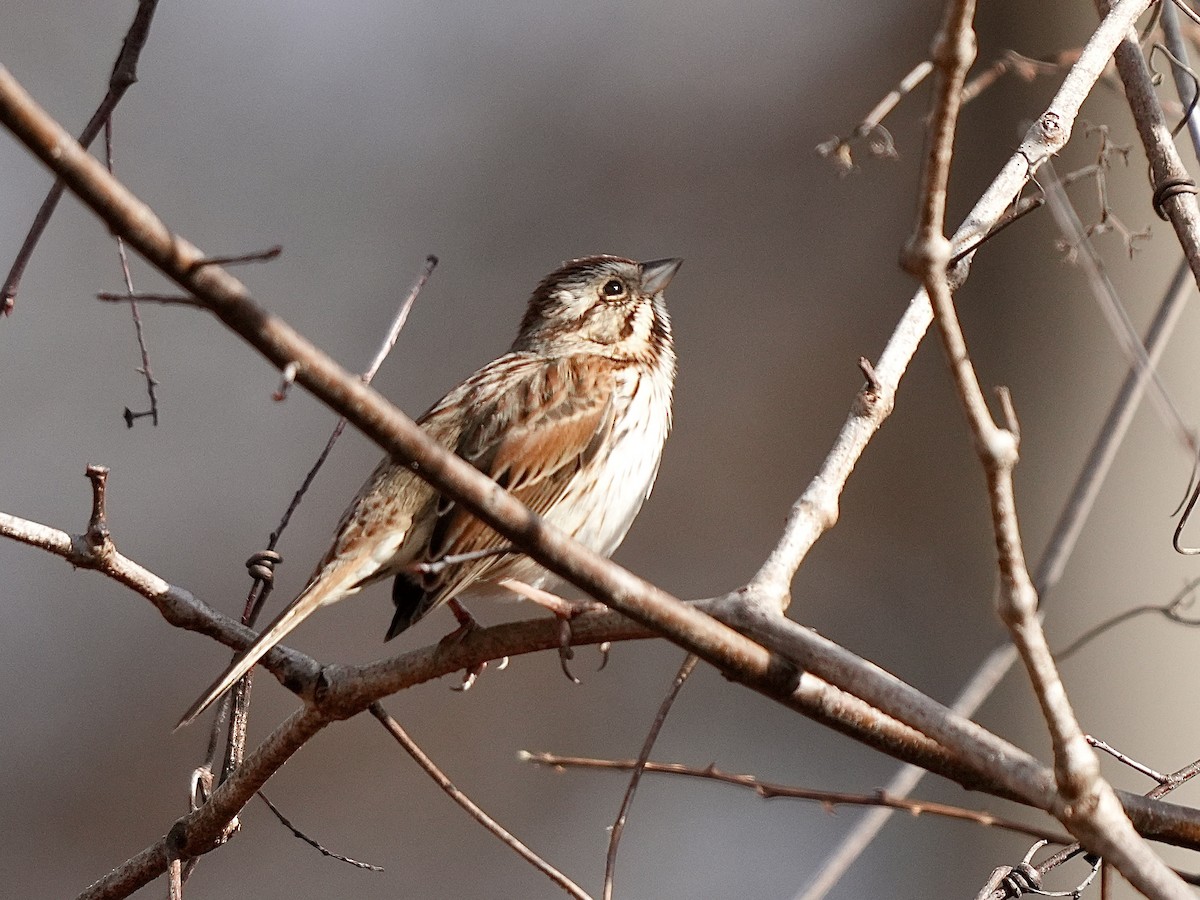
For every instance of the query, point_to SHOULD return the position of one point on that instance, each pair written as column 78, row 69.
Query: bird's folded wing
column 547, row 426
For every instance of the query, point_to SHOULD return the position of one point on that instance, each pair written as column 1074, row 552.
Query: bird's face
column 601, row 304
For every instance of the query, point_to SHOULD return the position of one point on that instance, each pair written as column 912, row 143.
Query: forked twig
column 124, row 76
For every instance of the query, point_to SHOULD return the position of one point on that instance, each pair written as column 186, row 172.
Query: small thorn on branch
column 285, row 385
column 868, row 370
column 97, row 534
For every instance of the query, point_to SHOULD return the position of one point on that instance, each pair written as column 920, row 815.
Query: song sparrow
column 571, row 420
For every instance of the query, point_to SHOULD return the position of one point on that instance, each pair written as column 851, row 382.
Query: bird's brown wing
column 531, row 437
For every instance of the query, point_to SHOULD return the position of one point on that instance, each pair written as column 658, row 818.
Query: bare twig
column 618, row 828
column 240, row 259
column 839, row 148
column 817, row 509
column 1172, row 611
column 165, row 299
column 1185, row 86
column 1053, row 562
column 1174, row 189
column 770, row 790
column 1124, row 759
column 881, row 144
column 151, row 384
column 410, row 747
column 324, row 851
column 124, row 76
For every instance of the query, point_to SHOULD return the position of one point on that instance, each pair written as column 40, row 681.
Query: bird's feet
column 564, row 611
column 466, row 624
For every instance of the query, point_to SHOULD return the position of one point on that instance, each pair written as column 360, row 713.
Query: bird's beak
column 657, row 274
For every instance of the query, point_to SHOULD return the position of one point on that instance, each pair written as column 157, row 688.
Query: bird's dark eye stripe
column 614, row 287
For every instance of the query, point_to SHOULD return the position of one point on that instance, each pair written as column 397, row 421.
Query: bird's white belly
column 628, row 474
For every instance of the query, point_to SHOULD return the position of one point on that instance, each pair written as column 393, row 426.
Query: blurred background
column 506, row 138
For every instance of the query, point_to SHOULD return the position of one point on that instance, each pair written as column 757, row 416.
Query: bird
column 572, row 421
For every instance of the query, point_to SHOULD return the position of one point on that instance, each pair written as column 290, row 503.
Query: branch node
column 1052, row 130
column 1004, row 395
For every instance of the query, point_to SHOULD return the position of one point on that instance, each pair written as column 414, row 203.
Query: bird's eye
column 614, row 287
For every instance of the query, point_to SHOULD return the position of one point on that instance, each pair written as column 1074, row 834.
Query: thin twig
column 1185, row 87
column 770, row 790
column 817, row 509
column 324, row 851
column 239, row 259
column 124, row 76
column 165, row 299
column 618, row 828
column 882, row 145
column 1172, row 611
column 152, row 412
column 839, row 148
column 1125, row 759
column 439, row 777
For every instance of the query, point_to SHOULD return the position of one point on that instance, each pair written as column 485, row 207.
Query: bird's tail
column 293, row 614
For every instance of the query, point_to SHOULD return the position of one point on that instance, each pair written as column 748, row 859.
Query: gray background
column 506, row 138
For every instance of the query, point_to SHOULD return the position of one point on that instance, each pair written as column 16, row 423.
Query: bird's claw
column 566, row 652
column 471, row 674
